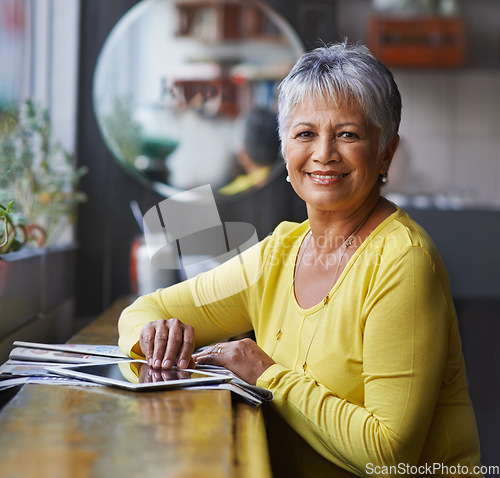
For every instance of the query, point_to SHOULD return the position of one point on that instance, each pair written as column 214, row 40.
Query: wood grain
column 87, row 431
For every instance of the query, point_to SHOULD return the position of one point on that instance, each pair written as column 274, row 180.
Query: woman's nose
column 326, row 151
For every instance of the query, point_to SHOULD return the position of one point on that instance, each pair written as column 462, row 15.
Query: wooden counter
column 91, row 432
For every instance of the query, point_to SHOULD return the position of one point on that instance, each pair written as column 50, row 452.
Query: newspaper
column 28, row 363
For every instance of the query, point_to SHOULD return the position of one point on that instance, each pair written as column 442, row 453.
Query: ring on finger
column 219, row 350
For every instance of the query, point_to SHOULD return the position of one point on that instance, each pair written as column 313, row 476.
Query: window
column 38, row 54
column 14, row 43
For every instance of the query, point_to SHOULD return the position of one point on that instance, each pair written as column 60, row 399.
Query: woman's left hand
column 243, row 357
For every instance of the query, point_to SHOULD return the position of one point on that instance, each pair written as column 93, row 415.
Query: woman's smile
column 326, row 177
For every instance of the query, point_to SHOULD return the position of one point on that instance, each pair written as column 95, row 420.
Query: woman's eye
column 348, row 135
column 304, row 135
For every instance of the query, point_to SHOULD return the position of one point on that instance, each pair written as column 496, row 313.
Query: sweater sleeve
column 405, row 341
column 215, row 303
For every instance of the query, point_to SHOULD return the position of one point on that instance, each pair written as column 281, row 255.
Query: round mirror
column 176, row 81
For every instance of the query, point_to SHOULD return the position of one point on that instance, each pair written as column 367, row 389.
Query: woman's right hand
column 168, row 343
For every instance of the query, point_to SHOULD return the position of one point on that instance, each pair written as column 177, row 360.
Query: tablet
column 138, row 375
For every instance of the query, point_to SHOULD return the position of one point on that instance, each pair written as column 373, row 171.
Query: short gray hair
column 342, row 72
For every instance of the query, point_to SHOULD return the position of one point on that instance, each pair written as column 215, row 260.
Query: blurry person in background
column 260, row 152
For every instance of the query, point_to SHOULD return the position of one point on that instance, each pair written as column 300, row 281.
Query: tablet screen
column 138, row 375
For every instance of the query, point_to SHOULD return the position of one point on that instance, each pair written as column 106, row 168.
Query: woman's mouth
column 326, row 178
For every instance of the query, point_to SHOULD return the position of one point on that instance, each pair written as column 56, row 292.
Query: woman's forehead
column 319, row 102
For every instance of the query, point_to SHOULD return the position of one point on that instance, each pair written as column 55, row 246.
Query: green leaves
column 4, row 211
column 7, row 236
column 37, row 172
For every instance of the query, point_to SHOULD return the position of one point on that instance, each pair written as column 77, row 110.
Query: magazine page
column 240, row 392
column 23, row 368
column 46, row 380
column 262, row 393
column 45, row 355
column 104, row 350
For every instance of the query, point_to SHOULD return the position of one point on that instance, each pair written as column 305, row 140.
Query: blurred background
column 107, row 107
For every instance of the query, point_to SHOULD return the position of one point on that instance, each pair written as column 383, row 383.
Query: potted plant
column 8, row 240
column 38, row 174
column 38, row 199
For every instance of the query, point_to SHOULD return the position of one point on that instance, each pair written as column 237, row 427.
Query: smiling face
column 332, row 155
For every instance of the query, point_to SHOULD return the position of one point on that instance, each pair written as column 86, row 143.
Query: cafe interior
column 118, row 106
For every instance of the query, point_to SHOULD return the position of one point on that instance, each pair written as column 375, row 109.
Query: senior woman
column 356, row 333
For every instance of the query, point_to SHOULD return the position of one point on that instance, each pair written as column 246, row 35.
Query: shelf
column 214, row 22
column 429, row 41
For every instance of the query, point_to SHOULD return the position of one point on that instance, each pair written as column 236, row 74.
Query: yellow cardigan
column 385, row 384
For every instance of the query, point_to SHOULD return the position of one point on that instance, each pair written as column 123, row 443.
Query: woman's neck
column 330, row 229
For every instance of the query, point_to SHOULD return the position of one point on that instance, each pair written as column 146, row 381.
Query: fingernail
column 167, row 364
column 183, row 364
column 157, row 363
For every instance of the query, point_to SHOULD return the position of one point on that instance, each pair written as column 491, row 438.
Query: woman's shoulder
column 291, row 229
column 402, row 225
column 288, row 233
column 399, row 232
column 400, row 237
column 283, row 241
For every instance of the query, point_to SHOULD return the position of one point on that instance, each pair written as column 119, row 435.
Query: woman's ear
column 388, row 154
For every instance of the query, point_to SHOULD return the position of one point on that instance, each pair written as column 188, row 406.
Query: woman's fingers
column 243, row 357
column 185, row 359
column 167, row 343
column 162, row 336
column 180, row 345
column 147, row 340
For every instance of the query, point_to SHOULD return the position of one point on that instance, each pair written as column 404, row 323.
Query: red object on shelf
column 235, row 21
column 222, row 92
column 418, row 42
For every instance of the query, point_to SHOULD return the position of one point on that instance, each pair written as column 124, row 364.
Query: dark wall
column 106, row 226
column 314, row 21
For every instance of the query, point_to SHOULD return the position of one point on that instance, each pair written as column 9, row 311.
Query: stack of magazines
column 106, row 365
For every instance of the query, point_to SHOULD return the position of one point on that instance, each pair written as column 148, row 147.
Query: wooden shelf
column 418, row 42
column 223, row 21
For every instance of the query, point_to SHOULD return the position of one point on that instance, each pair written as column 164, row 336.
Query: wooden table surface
column 63, row 431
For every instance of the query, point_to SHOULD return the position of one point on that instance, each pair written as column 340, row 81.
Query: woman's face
column 332, row 155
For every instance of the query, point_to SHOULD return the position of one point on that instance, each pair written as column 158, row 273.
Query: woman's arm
column 210, row 307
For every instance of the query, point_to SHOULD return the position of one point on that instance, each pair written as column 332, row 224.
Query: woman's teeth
column 328, row 176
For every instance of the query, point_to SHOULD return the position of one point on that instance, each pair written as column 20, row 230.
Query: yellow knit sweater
column 385, row 388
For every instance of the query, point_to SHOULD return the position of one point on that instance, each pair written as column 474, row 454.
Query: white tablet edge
column 66, row 370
